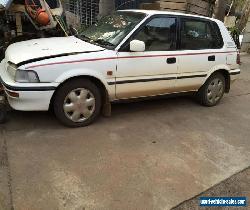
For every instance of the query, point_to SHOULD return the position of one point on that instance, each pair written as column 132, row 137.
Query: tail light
column 238, row 58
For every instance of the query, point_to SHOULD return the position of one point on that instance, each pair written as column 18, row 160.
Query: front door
column 153, row 71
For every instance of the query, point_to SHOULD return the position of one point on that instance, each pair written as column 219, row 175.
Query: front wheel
column 77, row 103
column 212, row 91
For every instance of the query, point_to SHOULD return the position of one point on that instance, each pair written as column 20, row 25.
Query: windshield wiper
column 84, row 38
column 103, row 42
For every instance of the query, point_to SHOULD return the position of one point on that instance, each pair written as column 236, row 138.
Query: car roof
column 159, row 12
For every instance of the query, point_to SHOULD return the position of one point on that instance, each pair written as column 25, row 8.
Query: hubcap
column 215, row 91
column 79, row 105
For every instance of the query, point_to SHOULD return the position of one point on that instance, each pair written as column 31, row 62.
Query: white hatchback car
column 129, row 54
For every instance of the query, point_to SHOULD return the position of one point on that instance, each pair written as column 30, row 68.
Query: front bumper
column 26, row 96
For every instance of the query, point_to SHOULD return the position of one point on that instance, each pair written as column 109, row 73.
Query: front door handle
column 211, row 58
column 171, row 60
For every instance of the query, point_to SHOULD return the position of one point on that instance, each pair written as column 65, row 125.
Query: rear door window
column 199, row 34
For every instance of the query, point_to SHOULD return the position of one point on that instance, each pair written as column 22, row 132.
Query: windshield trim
column 90, row 41
column 132, row 31
column 109, row 47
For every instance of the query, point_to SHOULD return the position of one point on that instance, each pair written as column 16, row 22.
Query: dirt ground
column 237, row 185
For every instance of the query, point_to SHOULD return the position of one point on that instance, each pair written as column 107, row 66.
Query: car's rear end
column 232, row 53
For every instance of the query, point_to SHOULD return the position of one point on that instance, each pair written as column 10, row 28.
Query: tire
column 77, row 103
column 212, row 91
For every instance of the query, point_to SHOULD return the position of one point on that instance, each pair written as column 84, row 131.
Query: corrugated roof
column 5, row 3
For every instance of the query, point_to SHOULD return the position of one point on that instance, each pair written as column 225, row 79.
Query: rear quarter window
column 217, row 36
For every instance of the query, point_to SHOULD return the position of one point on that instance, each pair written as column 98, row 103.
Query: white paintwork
column 144, row 68
column 137, row 46
column 38, row 101
column 94, row 61
column 38, row 48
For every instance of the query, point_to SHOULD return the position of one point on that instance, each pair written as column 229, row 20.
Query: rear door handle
column 171, row 60
column 211, row 58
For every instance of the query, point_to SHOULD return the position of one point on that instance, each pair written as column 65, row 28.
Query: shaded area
column 6, row 201
column 236, row 186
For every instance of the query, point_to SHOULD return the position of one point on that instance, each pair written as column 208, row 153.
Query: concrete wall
column 246, row 38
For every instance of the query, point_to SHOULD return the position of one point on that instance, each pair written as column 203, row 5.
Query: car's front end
column 32, row 70
column 23, row 88
column 30, row 89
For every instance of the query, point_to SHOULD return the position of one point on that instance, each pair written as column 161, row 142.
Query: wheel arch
column 226, row 75
column 100, row 85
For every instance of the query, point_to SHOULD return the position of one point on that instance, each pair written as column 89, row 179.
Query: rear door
column 200, row 50
column 153, row 71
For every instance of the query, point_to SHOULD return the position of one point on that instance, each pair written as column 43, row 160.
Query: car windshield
column 111, row 30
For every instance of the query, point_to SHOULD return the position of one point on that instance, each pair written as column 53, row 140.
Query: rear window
column 199, row 34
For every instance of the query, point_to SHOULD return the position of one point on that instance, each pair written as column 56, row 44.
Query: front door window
column 159, row 34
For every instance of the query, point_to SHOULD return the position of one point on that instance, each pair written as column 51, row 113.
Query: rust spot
column 12, row 94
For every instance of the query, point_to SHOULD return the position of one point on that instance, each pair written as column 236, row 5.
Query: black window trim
column 210, row 22
column 179, row 18
column 216, row 29
column 124, row 45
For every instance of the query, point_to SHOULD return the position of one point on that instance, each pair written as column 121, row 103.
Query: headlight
column 11, row 69
column 26, row 76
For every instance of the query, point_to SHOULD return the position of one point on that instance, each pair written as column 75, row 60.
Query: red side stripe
column 123, row 57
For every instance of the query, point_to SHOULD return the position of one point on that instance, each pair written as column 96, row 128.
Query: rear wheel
column 77, row 103
column 212, row 91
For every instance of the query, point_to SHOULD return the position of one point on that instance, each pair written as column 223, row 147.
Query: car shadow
column 18, row 120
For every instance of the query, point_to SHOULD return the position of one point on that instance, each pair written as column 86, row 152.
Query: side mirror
column 137, row 46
